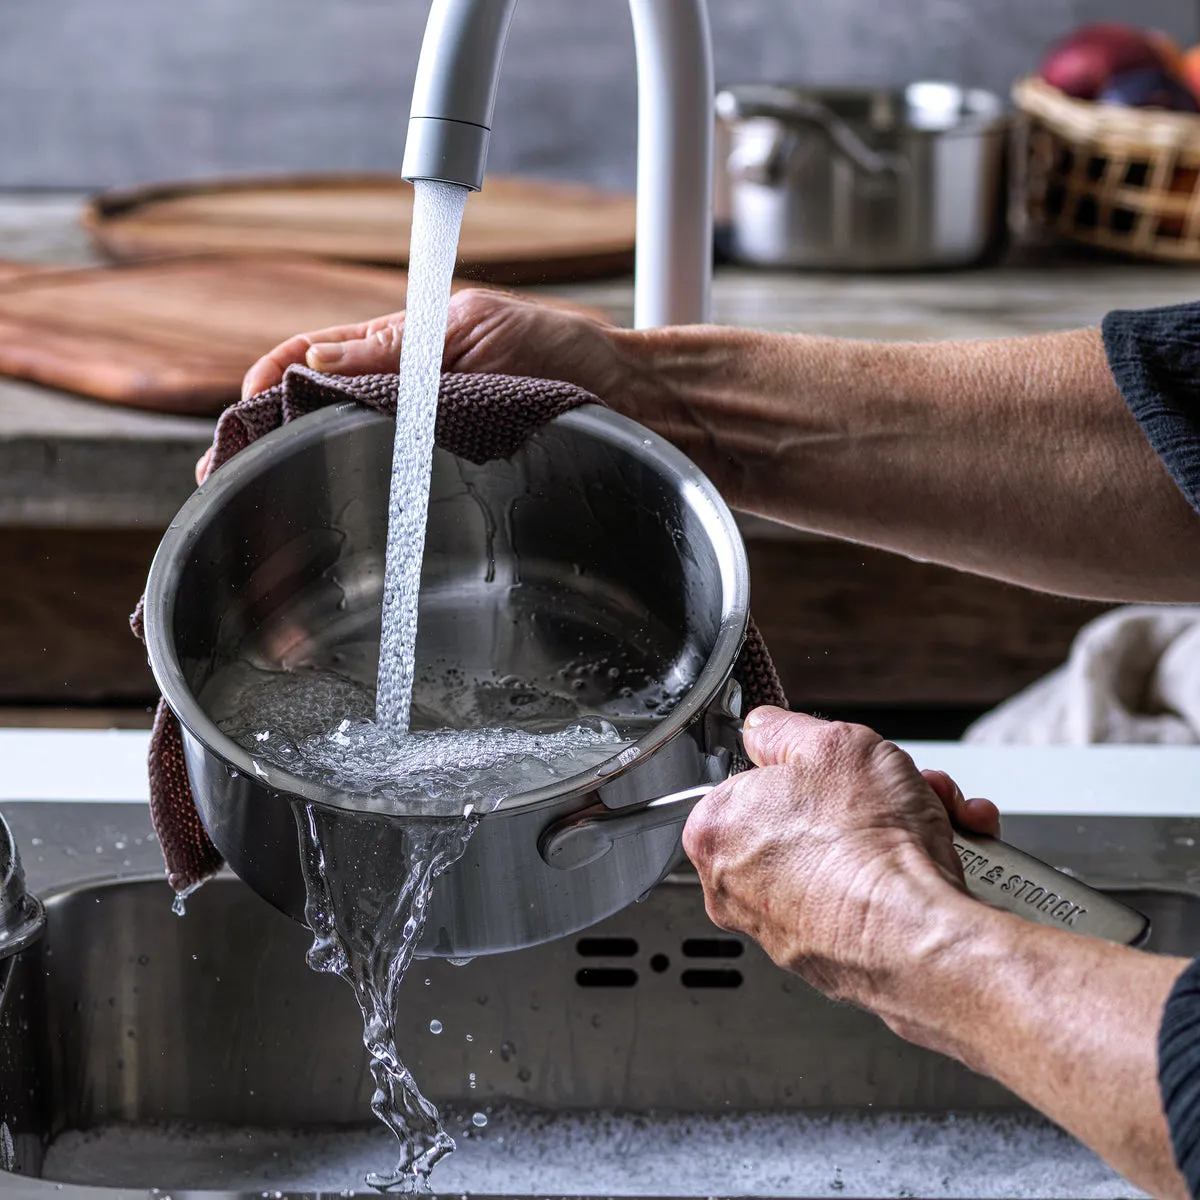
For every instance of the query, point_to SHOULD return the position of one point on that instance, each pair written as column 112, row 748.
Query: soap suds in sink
column 536, row 1153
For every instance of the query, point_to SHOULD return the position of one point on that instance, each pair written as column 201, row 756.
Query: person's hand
column 835, row 853
column 488, row 331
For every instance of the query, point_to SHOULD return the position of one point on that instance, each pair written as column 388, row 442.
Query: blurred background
column 101, row 92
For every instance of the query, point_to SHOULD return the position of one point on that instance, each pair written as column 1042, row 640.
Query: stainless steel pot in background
column 861, row 179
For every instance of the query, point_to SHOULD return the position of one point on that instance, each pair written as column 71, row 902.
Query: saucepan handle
column 1008, row 878
column 586, row 837
column 995, row 872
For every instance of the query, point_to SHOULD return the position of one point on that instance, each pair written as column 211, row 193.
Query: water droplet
column 470, row 1037
column 435, row 1026
column 507, row 1050
column 479, row 1120
column 524, row 1074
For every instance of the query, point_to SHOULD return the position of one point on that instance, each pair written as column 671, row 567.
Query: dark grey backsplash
column 101, row 92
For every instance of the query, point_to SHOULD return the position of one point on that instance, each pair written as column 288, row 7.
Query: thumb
column 773, row 736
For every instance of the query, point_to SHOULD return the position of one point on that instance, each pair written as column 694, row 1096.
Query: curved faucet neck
column 451, row 119
column 673, row 273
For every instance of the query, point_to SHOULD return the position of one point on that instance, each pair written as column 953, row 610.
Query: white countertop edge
column 109, row 766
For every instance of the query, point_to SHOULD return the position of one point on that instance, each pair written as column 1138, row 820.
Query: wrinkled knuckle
column 388, row 337
column 859, row 743
column 885, row 753
column 475, row 305
column 835, row 741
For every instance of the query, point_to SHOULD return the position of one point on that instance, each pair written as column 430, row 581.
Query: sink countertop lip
column 69, row 461
column 109, row 767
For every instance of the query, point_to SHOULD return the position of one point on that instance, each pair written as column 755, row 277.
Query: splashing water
column 368, row 872
column 437, row 217
column 314, row 723
column 368, row 880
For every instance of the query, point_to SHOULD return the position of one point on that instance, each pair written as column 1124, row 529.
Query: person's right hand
column 837, row 856
column 488, row 331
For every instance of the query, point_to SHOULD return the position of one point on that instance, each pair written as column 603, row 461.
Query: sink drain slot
column 701, row 977
column 713, row 948
column 606, row 977
column 606, row 947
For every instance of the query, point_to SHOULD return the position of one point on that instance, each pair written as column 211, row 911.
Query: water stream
column 437, row 218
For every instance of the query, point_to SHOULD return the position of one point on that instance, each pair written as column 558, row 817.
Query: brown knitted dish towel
column 480, row 418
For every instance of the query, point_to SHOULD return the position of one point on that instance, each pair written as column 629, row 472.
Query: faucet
column 450, row 126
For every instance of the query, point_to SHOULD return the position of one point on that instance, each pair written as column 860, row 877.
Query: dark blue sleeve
column 1179, row 1073
column 1155, row 357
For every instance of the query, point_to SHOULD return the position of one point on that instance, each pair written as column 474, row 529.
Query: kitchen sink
column 208, row 1036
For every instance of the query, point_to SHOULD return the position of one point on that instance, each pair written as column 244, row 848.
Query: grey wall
column 101, row 92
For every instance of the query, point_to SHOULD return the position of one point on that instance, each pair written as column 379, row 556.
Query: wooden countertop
column 65, row 461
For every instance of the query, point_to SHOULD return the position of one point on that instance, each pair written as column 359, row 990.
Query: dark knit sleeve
column 1155, row 358
column 1179, row 1073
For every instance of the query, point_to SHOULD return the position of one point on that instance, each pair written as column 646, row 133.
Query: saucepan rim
column 205, row 505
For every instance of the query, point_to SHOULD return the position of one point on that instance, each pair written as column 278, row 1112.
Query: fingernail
column 758, row 716
column 325, row 354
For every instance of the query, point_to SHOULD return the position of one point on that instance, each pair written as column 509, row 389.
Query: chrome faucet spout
column 450, row 125
column 454, row 94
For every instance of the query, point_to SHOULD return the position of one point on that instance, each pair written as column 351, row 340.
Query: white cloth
column 1133, row 675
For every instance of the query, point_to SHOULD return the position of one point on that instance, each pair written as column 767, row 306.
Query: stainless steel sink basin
column 125, row 1014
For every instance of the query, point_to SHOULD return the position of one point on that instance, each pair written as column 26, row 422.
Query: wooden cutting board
column 176, row 336
column 514, row 230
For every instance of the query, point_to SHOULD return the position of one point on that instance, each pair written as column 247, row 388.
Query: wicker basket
column 1124, row 179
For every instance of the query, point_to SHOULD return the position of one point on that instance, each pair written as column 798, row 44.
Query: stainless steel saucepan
column 598, row 561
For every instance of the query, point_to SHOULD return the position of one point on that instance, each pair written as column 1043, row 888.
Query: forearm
column 1068, row 1023
column 1013, row 458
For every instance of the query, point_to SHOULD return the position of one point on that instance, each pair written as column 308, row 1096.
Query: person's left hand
column 835, row 853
